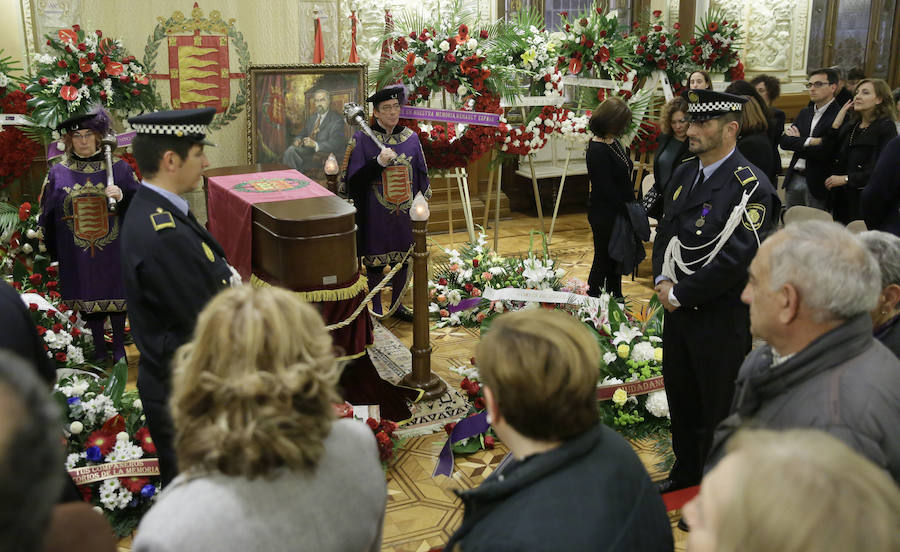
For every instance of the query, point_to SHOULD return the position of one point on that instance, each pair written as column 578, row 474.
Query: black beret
column 395, row 92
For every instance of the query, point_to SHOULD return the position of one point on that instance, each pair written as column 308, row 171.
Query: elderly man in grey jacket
column 810, row 291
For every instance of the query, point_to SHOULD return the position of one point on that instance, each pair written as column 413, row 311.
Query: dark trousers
column 162, row 431
column 703, row 350
column 603, row 275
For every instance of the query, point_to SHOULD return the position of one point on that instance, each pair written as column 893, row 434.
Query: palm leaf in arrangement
column 9, row 218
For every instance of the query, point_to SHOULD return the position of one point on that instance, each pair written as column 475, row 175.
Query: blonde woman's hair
column 253, row 391
column 803, row 490
column 542, row 367
column 753, row 118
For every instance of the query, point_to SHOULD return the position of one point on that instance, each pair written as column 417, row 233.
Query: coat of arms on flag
column 200, row 55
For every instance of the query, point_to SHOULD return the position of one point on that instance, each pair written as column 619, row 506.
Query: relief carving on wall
column 768, row 37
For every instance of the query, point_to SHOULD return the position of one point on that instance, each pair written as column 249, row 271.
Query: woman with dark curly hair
column 855, row 142
column 264, row 465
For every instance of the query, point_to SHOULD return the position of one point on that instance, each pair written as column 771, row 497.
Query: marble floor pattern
column 422, row 512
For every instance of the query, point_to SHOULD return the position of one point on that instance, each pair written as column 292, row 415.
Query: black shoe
column 668, row 485
column 682, row 525
column 404, row 314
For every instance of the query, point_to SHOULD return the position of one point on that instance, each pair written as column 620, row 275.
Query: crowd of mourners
column 793, row 443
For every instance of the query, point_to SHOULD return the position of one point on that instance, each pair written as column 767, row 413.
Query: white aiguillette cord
column 673, row 250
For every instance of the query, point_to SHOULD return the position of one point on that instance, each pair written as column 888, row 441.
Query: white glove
column 386, row 156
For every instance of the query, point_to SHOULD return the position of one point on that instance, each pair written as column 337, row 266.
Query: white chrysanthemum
column 658, row 404
column 109, row 494
column 433, row 307
column 444, row 46
column 123, row 451
column 609, row 380
column 74, row 354
column 609, row 358
column 73, row 459
column 101, row 407
column 642, row 352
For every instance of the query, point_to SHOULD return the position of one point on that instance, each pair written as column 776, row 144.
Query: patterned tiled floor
column 422, row 511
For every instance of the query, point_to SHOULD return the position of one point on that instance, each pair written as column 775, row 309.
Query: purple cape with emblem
column 81, row 233
column 382, row 196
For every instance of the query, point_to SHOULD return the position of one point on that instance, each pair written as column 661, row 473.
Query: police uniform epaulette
column 162, row 219
column 745, row 175
column 691, row 158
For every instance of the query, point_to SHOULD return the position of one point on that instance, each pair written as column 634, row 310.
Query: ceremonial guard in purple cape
column 172, row 266
column 382, row 180
column 82, row 216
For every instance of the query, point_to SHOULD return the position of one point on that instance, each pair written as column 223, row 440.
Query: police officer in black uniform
column 719, row 208
column 172, row 266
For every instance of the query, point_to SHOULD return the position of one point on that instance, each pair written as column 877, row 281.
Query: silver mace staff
column 109, row 143
column 355, row 116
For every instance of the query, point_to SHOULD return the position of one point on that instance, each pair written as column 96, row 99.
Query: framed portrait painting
column 296, row 114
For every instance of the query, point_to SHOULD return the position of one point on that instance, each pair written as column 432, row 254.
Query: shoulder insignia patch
column 754, row 217
column 209, row 253
column 162, row 220
column 745, row 175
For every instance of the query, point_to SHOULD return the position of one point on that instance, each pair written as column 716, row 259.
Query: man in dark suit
column 171, row 265
column 720, row 208
column 804, row 182
column 324, row 132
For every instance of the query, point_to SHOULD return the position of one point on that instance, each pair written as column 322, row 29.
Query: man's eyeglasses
column 817, row 84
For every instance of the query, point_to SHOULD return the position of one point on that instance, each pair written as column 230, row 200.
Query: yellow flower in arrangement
column 529, row 55
column 620, row 396
column 657, row 354
column 623, row 350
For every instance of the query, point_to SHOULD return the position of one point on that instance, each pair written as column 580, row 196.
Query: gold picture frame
column 295, row 114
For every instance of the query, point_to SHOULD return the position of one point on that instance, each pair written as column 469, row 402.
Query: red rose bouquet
column 660, row 48
column 84, row 68
column 17, row 150
column 590, row 47
column 716, row 43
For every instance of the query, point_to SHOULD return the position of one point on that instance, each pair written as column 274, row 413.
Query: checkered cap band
column 175, row 130
column 719, row 106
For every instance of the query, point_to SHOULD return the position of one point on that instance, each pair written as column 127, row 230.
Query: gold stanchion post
column 421, row 375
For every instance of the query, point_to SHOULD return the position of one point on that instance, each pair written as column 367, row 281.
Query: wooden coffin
column 305, row 244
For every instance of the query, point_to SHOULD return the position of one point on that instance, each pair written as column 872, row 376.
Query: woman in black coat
column 609, row 169
column 855, row 143
column 673, row 142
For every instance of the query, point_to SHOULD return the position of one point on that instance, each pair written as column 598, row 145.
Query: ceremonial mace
column 355, row 116
column 421, row 375
column 109, row 143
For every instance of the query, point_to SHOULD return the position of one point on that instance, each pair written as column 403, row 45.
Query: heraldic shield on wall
column 204, row 56
column 295, row 114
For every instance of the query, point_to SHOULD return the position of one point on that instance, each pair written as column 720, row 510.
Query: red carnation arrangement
column 17, row 151
column 716, row 44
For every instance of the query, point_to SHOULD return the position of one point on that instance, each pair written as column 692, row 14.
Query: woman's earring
column 487, row 418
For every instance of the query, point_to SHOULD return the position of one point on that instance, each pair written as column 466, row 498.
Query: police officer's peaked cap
column 709, row 104
column 183, row 123
column 396, row 92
